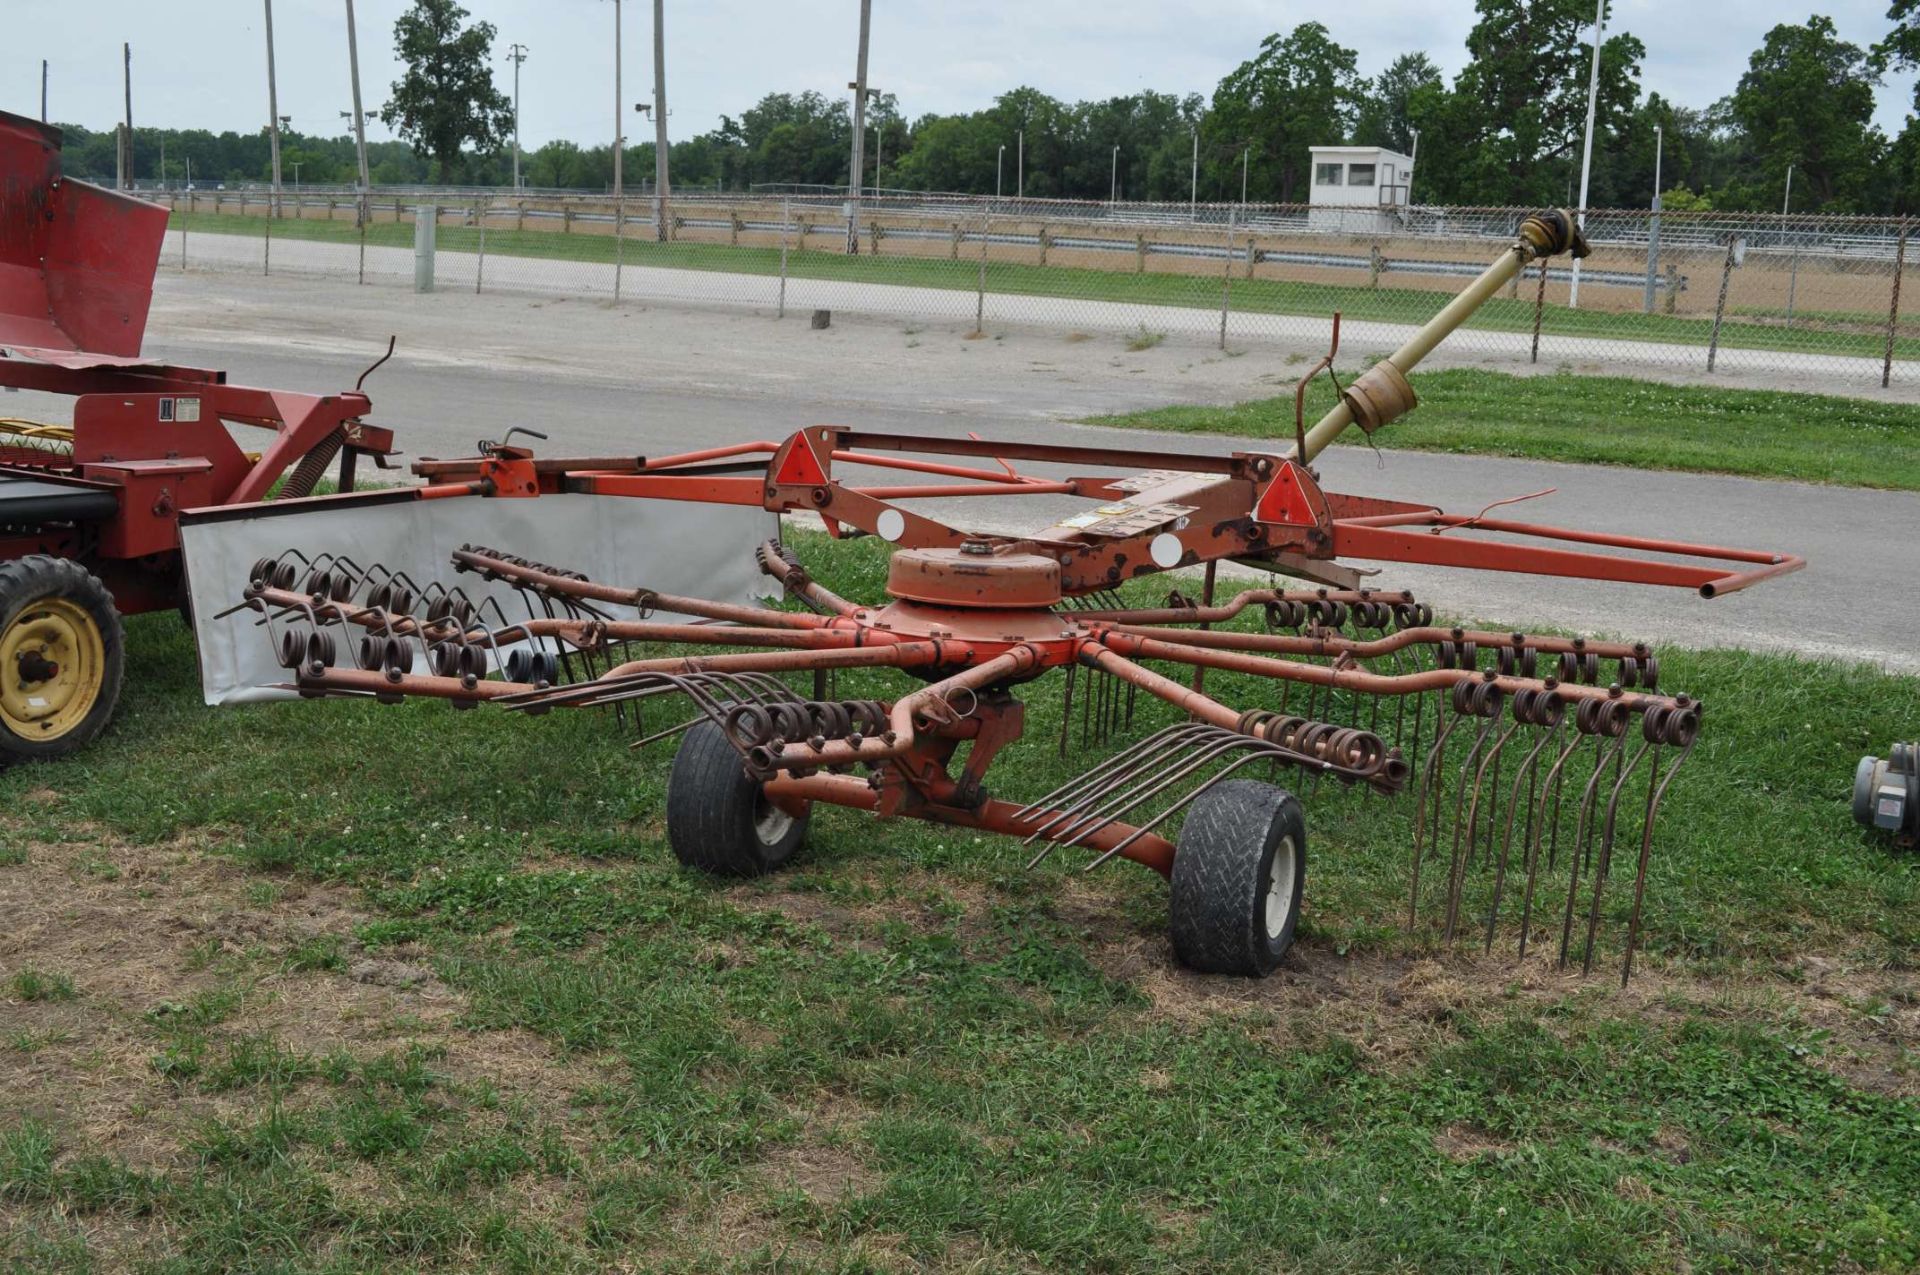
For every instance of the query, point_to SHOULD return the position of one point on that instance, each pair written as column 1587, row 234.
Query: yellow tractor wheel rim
column 52, row 662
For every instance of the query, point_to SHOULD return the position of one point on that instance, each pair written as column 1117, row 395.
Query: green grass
column 998, row 1066
column 1815, row 333
column 1609, row 420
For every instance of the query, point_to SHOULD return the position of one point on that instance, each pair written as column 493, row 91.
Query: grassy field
column 341, row 987
column 1610, row 420
column 1829, row 334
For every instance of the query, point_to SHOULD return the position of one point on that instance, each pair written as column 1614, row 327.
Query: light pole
column 273, row 113
column 516, row 53
column 359, row 116
column 1020, row 165
column 1787, row 201
column 43, row 90
column 1413, row 162
column 1193, row 191
column 1586, row 152
column 660, row 113
column 1113, row 182
column 1246, row 154
column 859, row 87
column 1653, row 222
column 999, row 162
column 296, row 179
column 618, row 135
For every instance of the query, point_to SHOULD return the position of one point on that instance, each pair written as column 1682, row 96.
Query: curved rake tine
column 1529, row 768
column 1429, row 794
column 1100, row 769
column 1601, row 869
column 1261, row 750
column 1655, row 795
column 1549, row 791
column 1583, row 836
column 1456, row 865
column 1205, row 756
column 1110, row 775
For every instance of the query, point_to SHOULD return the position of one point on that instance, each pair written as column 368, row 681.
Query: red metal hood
column 76, row 261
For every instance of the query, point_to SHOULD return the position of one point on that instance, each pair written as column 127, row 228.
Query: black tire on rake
column 718, row 817
column 1238, row 873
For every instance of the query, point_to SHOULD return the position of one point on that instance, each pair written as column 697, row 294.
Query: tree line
column 1506, row 130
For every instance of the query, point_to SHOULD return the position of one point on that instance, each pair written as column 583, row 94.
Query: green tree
column 1387, row 104
column 1807, row 100
column 1525, row 89
column 1300, row 90
column 446, row 99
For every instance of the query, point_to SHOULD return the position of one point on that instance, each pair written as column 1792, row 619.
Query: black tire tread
column 710, row 810
column 36, row 576
column 1218, row 883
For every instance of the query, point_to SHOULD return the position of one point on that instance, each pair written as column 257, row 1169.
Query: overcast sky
column 201, row 63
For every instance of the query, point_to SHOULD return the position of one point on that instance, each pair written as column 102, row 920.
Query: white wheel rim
column 770, row 823
column 1280, row 887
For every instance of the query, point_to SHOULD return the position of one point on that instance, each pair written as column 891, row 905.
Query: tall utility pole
column 1586, row 153
column 660, row 174
column 859, row 87
column 126, row 142
column 1786, row 202
column 1193, row 191
column 618, row 120
column 1020, row 164
column 516, row 53
column 359, row 116
column 1113, row 179
column 43, row 90
column 1413, row 162
column 273, row 113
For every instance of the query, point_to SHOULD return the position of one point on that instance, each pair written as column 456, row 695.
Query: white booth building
column 1358, row 189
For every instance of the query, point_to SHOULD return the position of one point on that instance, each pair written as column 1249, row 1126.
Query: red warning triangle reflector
column 1285, row 500
column 801, row 466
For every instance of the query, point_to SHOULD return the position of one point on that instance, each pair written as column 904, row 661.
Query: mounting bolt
column 978, row 548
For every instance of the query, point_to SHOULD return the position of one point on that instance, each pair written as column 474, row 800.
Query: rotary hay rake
column 1534, row 760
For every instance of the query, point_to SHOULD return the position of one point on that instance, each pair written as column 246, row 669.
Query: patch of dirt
column 140, row 929
column 1461, row 1143
column 1398, row 1005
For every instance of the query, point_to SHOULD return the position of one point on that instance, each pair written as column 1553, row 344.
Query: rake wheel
column 719, row 820
column 1237, row 879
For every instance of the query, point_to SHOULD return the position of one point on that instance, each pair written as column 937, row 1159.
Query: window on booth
column 1326, row 174
column 1359, row 174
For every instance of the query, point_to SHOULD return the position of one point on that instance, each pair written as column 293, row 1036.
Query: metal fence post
column 1720, row 306
column 980, row 297
column 1539, row 306
column 786, row 223
column 480, row 266
column 1653, row 252
column 1226, row 286
column 619, row 246
column 1893, row 309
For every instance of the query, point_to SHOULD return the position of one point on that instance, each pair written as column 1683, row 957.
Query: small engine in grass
column 1886, row 793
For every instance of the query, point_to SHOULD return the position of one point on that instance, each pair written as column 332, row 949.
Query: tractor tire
column 1238, row 872
column 718, row 818
column 62, row 655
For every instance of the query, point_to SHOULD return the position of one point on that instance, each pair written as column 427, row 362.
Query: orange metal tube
column 900, row 719
column 1357, row 679
column 644, row 598
column 1207, row 709
column 1286, row 644
column 898, row 655
column 787, row 791
column 1240, row 602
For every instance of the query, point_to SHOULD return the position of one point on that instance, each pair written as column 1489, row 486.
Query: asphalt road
column 633, row 380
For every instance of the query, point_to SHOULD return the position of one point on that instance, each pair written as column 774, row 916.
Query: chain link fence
column 1681, row 291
